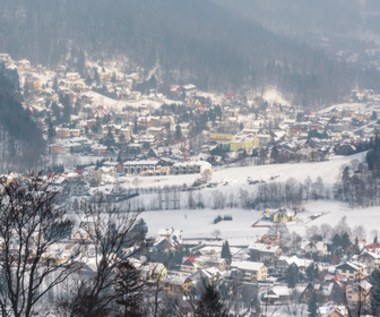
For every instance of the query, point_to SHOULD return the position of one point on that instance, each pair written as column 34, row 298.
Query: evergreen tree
column 336, row 241
column 292, row 275
column 210, row 304
column 178, row 132
column 274, row 154
column 345, row 241
column 55, row 84
column 312, row 305
column 129, row 290
column 140, row 229
column 312, row 272
column 374, row 279
column 51, row 130
column 109, row 140
column 226, row 253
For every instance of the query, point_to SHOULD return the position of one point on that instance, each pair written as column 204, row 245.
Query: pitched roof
column 262, row 247
column 349, row 266
column 247, row 265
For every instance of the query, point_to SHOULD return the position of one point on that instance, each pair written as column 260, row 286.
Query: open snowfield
column 197, row 224
column 233, row 178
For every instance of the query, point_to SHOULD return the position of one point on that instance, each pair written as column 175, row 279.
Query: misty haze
column 199, row 158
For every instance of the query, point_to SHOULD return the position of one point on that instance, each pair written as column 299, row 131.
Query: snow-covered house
column 168, row 239
column 253, row 271
column 371, row 260
column 350, row 271
column 309, row 247
column 285, row 261
column 264, row 252
column 177, row 283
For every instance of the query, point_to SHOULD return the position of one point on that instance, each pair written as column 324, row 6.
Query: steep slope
column 21, row 143
column 196, row 41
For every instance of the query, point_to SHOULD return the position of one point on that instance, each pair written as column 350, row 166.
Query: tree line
column 359, row 181
column 21, row 142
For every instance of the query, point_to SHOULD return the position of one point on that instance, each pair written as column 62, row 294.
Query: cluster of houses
column 104, row 113
column 261, row 272
column 105, row 116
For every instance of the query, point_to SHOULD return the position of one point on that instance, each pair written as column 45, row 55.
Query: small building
column 358, row 294
column 285, row 261
column 191, row 168
column 77, row 187
column 278, row 294
column 282, row 215
column 62, row 133
column 99, row 149
column 314, row 248
column 153, row 272
column 350, row 271
column 56, row 149
column 177, row 283
column 264, row 252
column 253, row 271
column 137, row 167
column 371, row 260
column 168, row 239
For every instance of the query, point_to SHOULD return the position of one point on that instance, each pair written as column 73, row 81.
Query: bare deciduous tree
column 112, row 240
column 30, row 229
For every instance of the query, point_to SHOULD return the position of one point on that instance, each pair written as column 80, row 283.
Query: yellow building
column 221, row 137
column 253, row 271
column 350, row 271
column 283, row 216
column 177, row 283
column 244, row 143
column 56, row 149
column 154, row 271
column 75, row 133
column 62, row 133
column 236, row 142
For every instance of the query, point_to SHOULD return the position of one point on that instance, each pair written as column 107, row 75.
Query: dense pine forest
column 21, row 142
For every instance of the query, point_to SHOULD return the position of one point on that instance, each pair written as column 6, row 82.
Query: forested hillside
column 192, row 41
column 298, row 16
column 21, row 142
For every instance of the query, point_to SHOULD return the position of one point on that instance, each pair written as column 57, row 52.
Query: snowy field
column 198, row 224
column 233, row 178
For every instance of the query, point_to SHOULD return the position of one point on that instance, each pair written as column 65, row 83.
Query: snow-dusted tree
column 359, row 232
column 312, row 305
column 191, row 204
column 216, row 233
column 210, row 304
column 111, row 233
column 342, row 227
column 218, row 200
column 226, row 252
column 129, row 289
column 374, row 279
column 292, row 275
column 30, row 228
